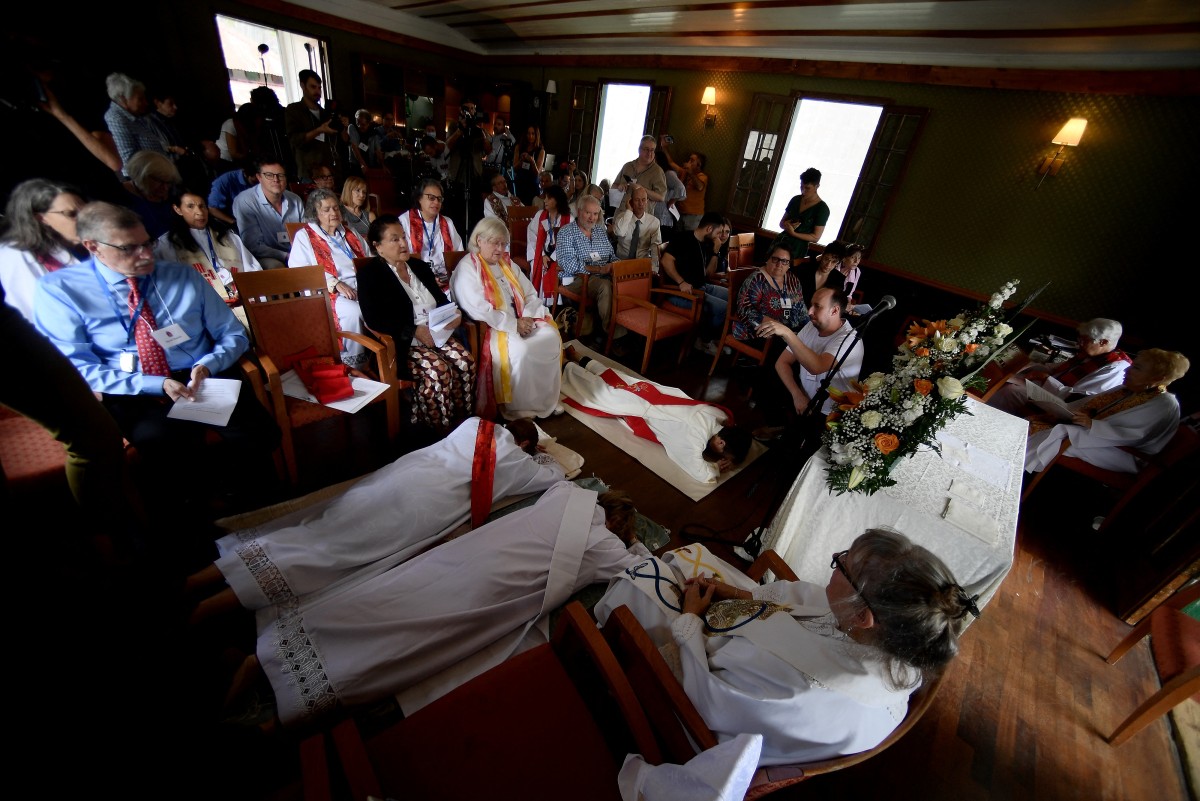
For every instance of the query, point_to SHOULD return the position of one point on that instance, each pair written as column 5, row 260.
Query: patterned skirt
column 445, row 384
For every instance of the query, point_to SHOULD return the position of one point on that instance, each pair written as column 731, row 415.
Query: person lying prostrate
column 1139, row 414
column 819, row 672
column 387, row 517
column 697, row 436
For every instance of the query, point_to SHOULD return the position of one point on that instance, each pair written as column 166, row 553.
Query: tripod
column 803, row 438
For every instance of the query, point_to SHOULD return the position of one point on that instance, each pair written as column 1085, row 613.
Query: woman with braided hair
column 819, row 671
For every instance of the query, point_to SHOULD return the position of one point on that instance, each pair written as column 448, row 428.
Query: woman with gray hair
column 39, row 238
column 520, row 352
column 1096, row 367
column 152, row 177
column 819, row 671
column 326, row 242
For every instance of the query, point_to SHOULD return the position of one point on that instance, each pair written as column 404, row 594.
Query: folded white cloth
column 970, row 520
column 722, row 773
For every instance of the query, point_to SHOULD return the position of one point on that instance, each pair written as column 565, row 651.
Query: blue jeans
column 712, row 316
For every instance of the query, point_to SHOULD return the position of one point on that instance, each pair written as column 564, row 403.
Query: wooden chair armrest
column 373, row 345
column 769, row 560
column 692, row 296
column 254, row 377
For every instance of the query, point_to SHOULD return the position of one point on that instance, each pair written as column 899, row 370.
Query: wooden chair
column 736, row 279
column 289, row 311
column 552, row 722
column 577, row 293
column 453, row 257
column 518, row 234
column 1183, row 444
column 1175, row 647
column 292, row 228
column 741, row 250
column 644, row 309
column 675, row 719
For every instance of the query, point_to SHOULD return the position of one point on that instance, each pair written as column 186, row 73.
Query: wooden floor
column 111, row 694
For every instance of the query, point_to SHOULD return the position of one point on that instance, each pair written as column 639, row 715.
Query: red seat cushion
column 519, row 731
column 1174, row 641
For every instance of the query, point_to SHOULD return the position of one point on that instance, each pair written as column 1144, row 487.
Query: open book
column 1049, row 398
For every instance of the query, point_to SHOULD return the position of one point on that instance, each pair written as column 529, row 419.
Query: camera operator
column 466, row 145
column 500, row 149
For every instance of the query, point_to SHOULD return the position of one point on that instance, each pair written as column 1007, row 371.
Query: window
column 277, row 67
column 608, row 118
column 859, row 147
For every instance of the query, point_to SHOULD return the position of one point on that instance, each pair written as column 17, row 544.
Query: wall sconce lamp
column 552, row 90
column 1069, row 136
column 708, row 101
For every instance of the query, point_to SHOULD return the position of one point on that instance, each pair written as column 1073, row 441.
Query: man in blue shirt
column 147, row 335
column 262, row 214
column 584, row 247
column 226, row 189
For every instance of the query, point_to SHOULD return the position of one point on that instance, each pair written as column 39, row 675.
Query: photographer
column 500, row 148
column 466, row 145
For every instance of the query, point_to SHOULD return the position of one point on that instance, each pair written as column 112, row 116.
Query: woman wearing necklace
column 1139, row 414
column 520, row 353
column 430, row 235
column 324, row 241
column 542, row 240
column 772, row 292
column 805, row 217
column 356, row 214
column 206, row 243
column 397, row 292
column 818, row 671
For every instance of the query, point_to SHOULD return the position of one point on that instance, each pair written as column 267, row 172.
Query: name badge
column 362, row 146
column 785, row 303
column 594, row 256
column 281, row 237
column 170, row 336
column 129, row 362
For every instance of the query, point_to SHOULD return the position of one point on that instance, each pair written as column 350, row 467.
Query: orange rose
column 974, row 346
column 887, row 443
column 922, row 351
column 923, row 386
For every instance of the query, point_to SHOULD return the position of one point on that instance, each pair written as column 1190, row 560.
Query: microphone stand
column 808, row 426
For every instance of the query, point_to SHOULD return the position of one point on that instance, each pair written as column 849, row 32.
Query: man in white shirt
column 636, row 234
column 816, row 349
column 498, row 202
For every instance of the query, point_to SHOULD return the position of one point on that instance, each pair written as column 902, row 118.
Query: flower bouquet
column 888, row 416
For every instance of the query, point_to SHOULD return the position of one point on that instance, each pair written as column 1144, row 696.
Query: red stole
column 324, row 256
column 545, row 277
column 416, row 232
column 650, row 393
column 483, row 472
column 1080, row 366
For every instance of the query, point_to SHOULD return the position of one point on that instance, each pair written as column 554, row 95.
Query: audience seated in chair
column 431, row 235
column 262, row 213
column 636, row 220
column 818, row 671
column 697, row 436
column 584, row 248
column 541, row 241
column 520, row 349
column 140, row 378
column 684, row 266
column 39, row 237
column 1097, row 367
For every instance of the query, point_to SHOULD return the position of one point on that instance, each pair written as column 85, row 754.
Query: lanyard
column 212, row 250
column 342, row 245
column 130, row 325
column 429, row 232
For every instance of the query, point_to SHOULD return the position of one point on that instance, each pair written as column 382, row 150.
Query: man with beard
column 684, row 264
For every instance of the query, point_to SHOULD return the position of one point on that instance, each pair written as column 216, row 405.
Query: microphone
column 885, row 303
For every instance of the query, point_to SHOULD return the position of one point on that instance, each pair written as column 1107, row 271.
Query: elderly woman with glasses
column 326, row 242
column 819, row 671
column 39, row 238
column 431, row 235
column 520, row 351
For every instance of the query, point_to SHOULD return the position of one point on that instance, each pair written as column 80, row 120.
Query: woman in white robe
column 819, row 672
column 487, row 591
column 1140, row 414
column 326, row 242
column 38, row 237
column 520, row 351
column 431, row 235
column 384, row 519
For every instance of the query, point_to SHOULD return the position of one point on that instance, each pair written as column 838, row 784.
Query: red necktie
column 151, row 356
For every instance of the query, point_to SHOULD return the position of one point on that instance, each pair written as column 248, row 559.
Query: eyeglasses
column 70, row 214
column 274, row 176
column 775, row 260
column 148, row 245
column 837, row 562
column 433, row 198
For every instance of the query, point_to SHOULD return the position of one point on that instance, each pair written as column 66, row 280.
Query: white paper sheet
column 974, row 460
column 440, row 320
column 365, row 390
column 213, row 403
column 614, row 197
column 1047, row 400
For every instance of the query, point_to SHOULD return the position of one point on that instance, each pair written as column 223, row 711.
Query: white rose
column 949, row 387
column 911, row 416
column 957, row 322
column 874, row 381
column 947, row 344
column 1003, row 329
column 872, row 419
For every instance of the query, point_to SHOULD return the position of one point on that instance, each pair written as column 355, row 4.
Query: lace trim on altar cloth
column 264, row 571
column 300, row 662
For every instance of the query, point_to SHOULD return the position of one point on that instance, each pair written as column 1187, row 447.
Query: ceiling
column 1013, row 34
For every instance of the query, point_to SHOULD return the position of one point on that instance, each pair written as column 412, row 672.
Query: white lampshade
column 551, row 87
column 710, row 97
column 1071, row 133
